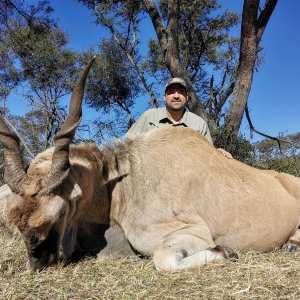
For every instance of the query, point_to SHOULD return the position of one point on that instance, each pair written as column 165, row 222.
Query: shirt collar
column 165, row 119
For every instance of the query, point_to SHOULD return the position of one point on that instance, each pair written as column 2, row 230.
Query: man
column 174, row 114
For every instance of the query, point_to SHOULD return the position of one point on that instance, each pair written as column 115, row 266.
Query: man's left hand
column 225, row 153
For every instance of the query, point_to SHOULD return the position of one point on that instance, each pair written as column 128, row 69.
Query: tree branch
column 264, row 17
column 15, row 130
column 224, row 97
column 157, row 23
column 27, row 17
column 133, row 63
column 279, row 140
column 212, row 99
column 172, row 29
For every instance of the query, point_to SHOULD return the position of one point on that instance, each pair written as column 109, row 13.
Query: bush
column 289, row 165
column 239, row 147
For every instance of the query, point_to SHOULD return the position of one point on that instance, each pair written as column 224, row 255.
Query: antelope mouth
column 44, row 254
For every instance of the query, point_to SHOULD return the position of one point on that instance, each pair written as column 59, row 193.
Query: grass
column 272, row 275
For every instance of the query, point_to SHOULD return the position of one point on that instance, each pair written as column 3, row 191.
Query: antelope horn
column 60, row 159
column 14, row 174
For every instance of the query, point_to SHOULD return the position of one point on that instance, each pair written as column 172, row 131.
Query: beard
column 176, row 106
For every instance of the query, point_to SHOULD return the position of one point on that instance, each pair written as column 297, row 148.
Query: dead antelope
column 175, row 197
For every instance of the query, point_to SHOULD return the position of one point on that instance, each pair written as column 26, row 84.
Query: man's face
column 176, row 97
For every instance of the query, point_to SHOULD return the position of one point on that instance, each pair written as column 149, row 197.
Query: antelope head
column 41, row 203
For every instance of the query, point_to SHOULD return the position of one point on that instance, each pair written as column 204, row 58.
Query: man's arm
column 138, row 127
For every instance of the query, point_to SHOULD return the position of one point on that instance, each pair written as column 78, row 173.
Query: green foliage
column 285, row 158
column 263, row 155
column 112, row 79
column 50, row 70
column 239, row 147
column 113, row 85
column 45, row 61
column 119, row 14
column 268, row 149
column 289, row 165
column 32, row 127
column 15, row 16
column 9, row 75
column 34, row 53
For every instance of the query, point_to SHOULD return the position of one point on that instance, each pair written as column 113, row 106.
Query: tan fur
column 174, row 196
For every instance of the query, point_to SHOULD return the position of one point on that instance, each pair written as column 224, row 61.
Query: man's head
column 176, row 95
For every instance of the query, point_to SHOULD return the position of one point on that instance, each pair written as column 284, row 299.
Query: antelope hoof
column 290, row 246
column 227, row 252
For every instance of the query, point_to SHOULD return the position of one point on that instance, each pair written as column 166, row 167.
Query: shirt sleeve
column 138, row 127
column 207, row 134
column 198, row 124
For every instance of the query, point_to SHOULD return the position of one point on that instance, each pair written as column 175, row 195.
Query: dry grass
column 256, row 276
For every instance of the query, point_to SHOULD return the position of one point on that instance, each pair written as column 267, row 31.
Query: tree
column 13, row 16
column 32, row 126
column 122, row 19
column 192, row 39
column 252, row 29
column 40, row 60
column 112, row 88
column 269, row 149
column 49, row 69
column 285, row 158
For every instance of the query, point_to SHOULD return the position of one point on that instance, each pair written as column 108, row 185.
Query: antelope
column 170, row 191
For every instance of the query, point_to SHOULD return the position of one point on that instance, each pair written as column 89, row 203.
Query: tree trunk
column 168, row 40
column 251, row 33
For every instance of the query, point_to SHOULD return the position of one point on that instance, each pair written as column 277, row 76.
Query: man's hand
column 225, row 153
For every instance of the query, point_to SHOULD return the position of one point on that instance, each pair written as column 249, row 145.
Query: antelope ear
column 114, row 166
column 76, row 192
column 5, row 192
column 70, row 190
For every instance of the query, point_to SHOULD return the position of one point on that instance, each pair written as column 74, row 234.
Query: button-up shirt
column 158, row 117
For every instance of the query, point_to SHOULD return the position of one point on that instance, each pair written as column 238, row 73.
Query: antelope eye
column 62, row 212
column 33, row 240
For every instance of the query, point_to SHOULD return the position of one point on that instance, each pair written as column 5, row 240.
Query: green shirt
column 157, row 118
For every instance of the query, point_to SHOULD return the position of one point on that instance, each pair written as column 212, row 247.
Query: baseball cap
column 176, row 80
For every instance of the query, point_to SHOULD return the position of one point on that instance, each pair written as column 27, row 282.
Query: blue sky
column 274, row 100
